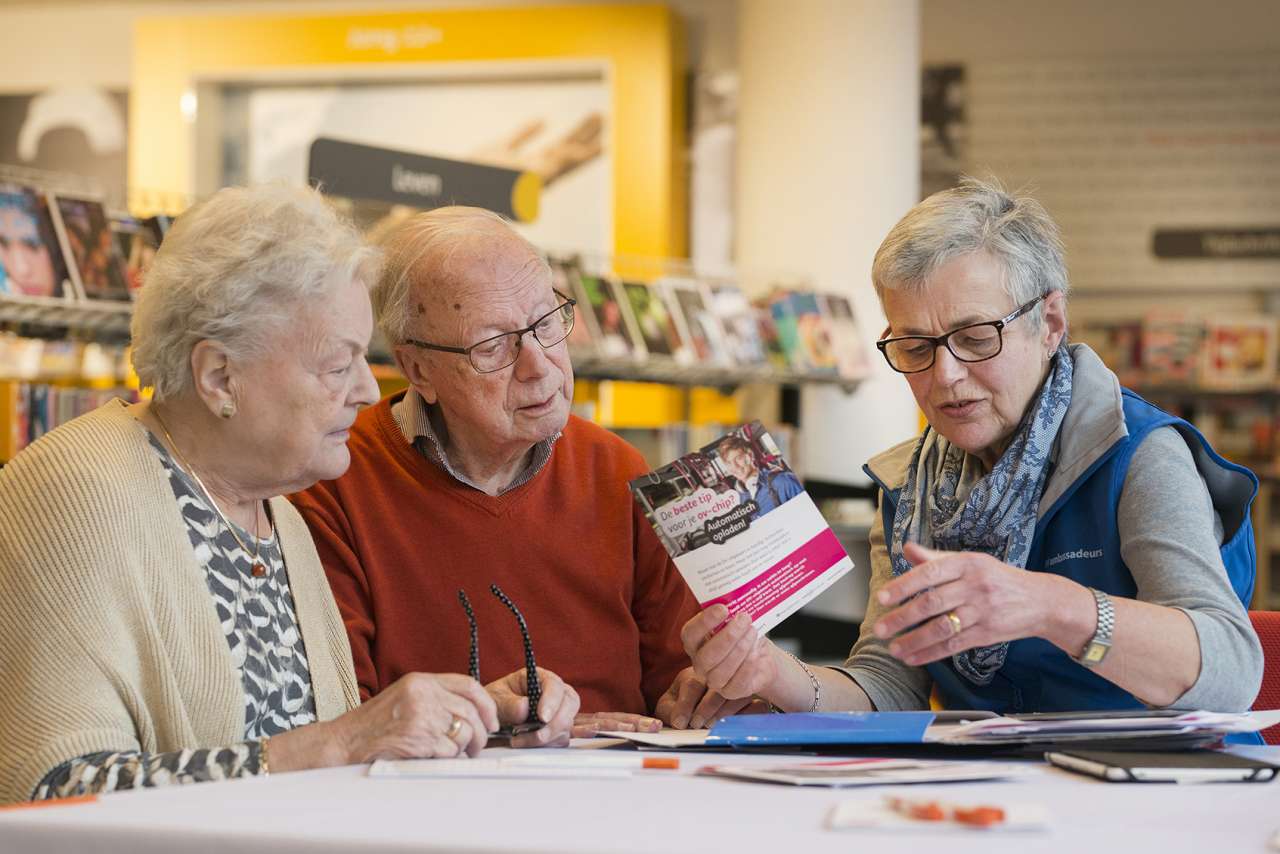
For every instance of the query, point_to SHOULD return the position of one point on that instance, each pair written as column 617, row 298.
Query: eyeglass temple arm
column 533, row 685
column 474, row 662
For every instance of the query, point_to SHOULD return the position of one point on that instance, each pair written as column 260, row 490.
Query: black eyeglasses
column 533, row 685
column 976, row 342
column 501, row 351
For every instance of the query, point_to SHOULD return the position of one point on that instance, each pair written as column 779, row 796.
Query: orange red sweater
column 398, row 538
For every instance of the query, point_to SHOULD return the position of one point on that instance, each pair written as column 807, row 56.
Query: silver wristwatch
column 1100, row 644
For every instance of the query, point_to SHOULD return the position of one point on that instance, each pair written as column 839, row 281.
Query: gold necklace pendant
column 257, row 568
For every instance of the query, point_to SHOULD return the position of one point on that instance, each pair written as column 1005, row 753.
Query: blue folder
column 799, row 728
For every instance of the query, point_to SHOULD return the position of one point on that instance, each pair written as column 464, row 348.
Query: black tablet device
column 1190, row 766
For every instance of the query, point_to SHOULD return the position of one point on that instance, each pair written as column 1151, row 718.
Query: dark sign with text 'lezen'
column 420, row 181
column 1222, row 243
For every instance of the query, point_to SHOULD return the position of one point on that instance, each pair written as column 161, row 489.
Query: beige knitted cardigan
column 108, row 635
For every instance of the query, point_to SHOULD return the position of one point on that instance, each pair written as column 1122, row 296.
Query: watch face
column 1095, row 653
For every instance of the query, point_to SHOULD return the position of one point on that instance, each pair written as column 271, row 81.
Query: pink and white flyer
column 740, row 527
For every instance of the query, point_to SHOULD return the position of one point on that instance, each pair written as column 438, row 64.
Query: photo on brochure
column 741, row 528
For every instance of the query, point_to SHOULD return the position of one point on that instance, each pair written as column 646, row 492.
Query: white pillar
column 828, row 161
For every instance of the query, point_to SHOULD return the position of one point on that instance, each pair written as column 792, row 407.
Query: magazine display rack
column 1216, row 368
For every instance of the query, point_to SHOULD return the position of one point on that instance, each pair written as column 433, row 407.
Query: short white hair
column 976, row 216
column 236, row 269
column 417, row 252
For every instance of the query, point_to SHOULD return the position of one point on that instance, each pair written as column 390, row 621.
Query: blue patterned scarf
column 949, row 505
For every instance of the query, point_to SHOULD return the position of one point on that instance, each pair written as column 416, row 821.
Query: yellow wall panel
column 641, row 45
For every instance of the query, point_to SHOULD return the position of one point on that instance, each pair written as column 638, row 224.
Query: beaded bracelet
column 264, row 761
column 813, row 679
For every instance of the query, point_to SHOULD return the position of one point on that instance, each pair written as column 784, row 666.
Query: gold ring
column 454, row 728
column 956, row 625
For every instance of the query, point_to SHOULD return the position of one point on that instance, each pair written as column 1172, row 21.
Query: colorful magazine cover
column 31, row 259
column 846, row 340
column 1170, row 347
column 1239, row 352
column 654, row 323
column 770, row 340
column 687, row 301
column 788, row 328
column 814, row 331
column 741, row 335
column 741, row 528
column 615, row 338
column 96, row 270
column 565, row 279
column 136, row 246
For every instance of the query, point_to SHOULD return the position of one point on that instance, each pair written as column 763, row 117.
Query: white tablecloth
column 341, row 809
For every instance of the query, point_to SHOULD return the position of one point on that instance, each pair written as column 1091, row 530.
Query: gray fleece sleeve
column 891, row 684
column 1169, row 539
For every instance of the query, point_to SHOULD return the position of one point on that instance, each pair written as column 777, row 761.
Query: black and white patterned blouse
column 258, row 618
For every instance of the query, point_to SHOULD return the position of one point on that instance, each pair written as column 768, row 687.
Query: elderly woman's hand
column 690, row 703
column 414, row 718
column 732, row 659
column 557, row 707
column 961, row 600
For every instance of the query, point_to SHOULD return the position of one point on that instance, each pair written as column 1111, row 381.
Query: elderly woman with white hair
column 1050, row 541
column 163, row 613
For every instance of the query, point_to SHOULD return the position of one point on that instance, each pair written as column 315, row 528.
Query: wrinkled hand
column 557, row 708
column 736, row 661
column 587, row 725
column 413, row 717
column 992, row 601
column 689, row 703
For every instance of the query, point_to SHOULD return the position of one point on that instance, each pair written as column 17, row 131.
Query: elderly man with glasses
column 478, row 475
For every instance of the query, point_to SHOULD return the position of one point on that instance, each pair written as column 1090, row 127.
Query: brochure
column 841, row 773
column 741, row 529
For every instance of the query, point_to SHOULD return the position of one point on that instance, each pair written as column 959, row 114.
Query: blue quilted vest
column 1078, row 538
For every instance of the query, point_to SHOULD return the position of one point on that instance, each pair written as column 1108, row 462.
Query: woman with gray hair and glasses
column 163, row 613
column 1050, row 541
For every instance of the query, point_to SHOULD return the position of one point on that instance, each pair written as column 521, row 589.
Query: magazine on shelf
column 699, row 327
column 783, row 314
column 850, row 353
column 1239, row 351
column 1170, row 347
column 89, row 248
column 136, row 245
column 654, row 323
column 814, row 331
column 32, row 263
column 615, row 337
column 740, row 527
column 741, row 334
column 565, row 278
column 775, row 353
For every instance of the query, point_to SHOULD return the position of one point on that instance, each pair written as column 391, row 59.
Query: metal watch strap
column 1100, row 644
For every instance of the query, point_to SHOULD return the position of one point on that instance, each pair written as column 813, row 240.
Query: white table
column 341, row 809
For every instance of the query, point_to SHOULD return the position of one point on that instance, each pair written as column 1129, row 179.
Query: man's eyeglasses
column 533, row 685
column 976, row 342
column 501, row 351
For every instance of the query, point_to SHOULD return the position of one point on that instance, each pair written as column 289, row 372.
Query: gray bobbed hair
column 418, row 251
column 240, row 268
column 976, row 216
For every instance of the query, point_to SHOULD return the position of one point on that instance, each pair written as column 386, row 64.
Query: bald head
column 440, row 260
